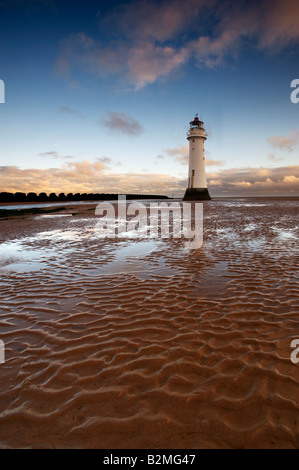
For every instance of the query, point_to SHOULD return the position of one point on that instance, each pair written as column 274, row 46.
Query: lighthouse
column 197, row 184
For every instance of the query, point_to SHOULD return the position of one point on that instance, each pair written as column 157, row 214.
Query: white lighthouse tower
column 197, row 184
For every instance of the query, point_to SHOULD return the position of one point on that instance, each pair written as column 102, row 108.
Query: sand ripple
column 145, row 344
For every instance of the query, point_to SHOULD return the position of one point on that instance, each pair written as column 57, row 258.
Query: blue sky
column 99, row 95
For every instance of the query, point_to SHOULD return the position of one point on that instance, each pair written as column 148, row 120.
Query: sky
column 98, row 96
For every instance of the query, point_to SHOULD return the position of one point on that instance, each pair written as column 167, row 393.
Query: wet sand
column 148, row 344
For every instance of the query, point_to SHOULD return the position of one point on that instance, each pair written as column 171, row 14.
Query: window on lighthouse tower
column 192, row 179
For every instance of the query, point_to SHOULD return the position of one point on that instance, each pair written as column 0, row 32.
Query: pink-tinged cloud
column 181, row 154
column 84, row 177
column 279, row 23
column 148, row 62
column 149, row 41
column 145, row 19
column 179, row 151
column 96, row 176
column 288, row 142
column 115, row 121
column 255, row 181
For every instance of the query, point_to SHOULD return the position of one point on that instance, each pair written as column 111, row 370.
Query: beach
column 147, row 342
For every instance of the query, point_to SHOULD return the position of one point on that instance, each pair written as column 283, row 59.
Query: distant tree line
column 43, row 197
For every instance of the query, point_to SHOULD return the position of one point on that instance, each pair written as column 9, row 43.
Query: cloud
column 211, row 52
column 211, row 162
column 291, row 179
column 138, row 52
column 51, row 153
column 149, row 20
column 54, row 154
column 67, row 110
column 269, row 26
column 121, row 122
column 148, row 40
column 179, row 151
column 285, row 142
column 87, row 177
column 84, row 176
column 104, row 159
column 148, row 62
column 274, row 158
column 255, row 181
column 181, row 154
column 279, row 24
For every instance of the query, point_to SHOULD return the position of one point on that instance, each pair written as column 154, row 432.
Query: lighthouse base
column 196, row 194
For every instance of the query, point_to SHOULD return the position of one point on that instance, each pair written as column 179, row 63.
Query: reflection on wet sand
column 144, row 343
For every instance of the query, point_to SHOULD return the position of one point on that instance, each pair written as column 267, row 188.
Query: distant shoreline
column 84, row 208
column 57, row 203
column 130, row 197
column 34, row 198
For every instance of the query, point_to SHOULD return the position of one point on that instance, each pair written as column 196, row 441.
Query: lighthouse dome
column 196, row 122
